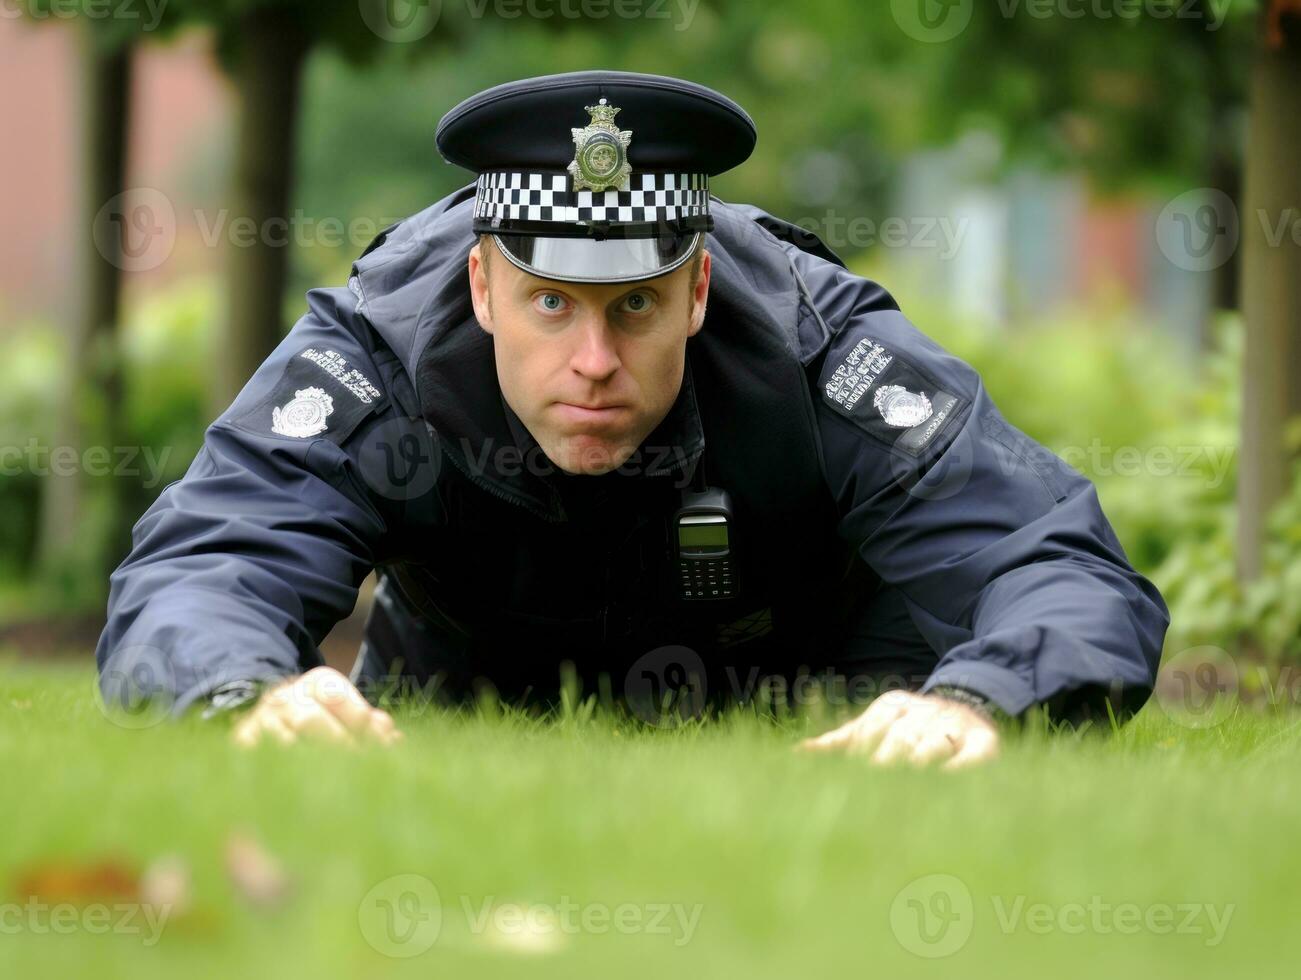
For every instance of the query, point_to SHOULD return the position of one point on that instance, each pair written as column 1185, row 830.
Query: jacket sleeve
column 1007, row 564
column 239, row 569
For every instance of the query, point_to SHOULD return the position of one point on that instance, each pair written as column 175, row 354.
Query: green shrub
column 1090, row 387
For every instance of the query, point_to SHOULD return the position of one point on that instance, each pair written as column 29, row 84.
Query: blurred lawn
column 796, row 864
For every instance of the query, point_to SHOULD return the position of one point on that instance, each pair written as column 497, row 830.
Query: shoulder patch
column 887, row 397
column 318, row 394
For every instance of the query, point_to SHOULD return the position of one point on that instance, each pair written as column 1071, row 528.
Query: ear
column 479, row 288
column 700, row 297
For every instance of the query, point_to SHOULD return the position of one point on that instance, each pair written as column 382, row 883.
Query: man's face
column 589, row 369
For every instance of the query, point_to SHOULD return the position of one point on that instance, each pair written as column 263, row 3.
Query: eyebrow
column 536, row 282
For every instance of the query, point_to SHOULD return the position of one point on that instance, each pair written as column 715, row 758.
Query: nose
column 595, row 356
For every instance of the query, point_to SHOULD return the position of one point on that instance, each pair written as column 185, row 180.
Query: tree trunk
column 1271, row 278
column 91, row 403
column 267, row 72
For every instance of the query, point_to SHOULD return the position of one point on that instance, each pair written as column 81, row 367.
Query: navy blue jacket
column 372, row 436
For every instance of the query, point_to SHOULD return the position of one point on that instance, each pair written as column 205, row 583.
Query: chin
column 584, row 456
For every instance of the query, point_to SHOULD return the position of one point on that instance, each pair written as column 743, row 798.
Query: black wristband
column 232, row 697
column 977, row 702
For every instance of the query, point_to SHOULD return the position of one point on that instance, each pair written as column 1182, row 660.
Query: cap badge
column 305, row 415
column 900, row 407
column 601, row 158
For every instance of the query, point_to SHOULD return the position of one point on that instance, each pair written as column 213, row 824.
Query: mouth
column 589, row 413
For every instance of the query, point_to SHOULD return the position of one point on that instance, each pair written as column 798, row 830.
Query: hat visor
column 588, row 260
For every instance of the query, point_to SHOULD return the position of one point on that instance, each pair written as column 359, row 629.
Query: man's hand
column 918, row 728
column 321, row 703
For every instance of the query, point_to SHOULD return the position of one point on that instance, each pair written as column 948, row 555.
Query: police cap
column 596, row 176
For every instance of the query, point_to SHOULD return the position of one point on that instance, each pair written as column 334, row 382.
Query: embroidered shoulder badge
column 888, row 397
column 304, row 416
column 900, row 407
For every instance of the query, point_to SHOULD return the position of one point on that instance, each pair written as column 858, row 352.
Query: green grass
column 799, row 867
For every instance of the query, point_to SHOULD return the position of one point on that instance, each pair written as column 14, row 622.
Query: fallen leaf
column 524, row 931
column 78, row 884
column 255, row 873
column 166, row 884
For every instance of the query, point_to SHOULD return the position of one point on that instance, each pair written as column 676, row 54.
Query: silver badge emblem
column 900, row 407
column 304, row 416
column 601, row 152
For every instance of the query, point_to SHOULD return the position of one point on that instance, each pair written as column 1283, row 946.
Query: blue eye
column 638, row 303
column 552, row 303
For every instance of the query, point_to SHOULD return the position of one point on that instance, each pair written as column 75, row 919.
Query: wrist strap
column 977, row 702
column 232, row 697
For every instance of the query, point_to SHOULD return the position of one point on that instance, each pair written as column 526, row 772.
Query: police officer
column 582, row 412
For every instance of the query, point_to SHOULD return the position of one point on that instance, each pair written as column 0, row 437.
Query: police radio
column 703, row 545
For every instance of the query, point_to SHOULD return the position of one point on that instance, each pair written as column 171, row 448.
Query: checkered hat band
column 548, row 197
